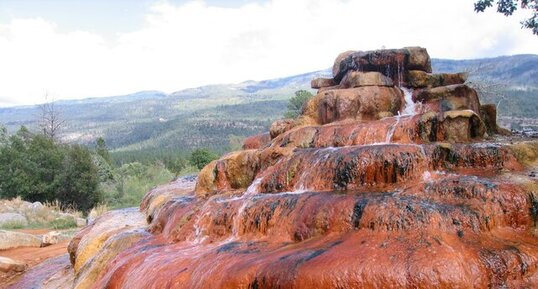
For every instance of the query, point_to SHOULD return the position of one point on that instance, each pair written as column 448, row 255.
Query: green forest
column 36, row 167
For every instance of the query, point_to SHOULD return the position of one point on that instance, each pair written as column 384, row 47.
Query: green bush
column 201, row 157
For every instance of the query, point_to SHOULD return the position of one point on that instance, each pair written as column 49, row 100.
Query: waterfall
column 410, row 106
column 390, row 133
column 252, row 190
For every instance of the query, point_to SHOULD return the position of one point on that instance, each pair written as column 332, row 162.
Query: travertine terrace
column 392, row 177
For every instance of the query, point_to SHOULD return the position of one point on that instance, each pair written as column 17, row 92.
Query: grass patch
column 12, row 225
column 63, row 223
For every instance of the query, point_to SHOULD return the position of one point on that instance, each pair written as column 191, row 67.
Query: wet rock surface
column 387, row 185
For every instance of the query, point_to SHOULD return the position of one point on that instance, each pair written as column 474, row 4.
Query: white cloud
column 194, row 44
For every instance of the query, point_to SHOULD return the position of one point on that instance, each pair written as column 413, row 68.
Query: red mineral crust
column 393, row 177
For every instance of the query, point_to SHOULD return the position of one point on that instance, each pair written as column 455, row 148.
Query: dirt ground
column 31, row 256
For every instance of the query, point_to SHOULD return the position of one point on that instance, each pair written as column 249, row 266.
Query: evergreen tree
column 36, row 168
column 3, row 135
column 102, row 150
column 79, row 180
column 296, row 103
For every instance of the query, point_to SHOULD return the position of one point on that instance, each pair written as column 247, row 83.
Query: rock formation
column 393, row 177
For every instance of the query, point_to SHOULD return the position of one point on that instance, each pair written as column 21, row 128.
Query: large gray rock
column 10, row 239
column 12, row 220
column 35, row 206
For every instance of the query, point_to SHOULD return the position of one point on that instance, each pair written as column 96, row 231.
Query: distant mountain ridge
column 516, row 70
column 212, row 115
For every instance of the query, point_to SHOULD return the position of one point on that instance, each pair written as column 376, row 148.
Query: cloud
column 194, row 43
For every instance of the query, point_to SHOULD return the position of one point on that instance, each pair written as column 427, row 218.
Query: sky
column 72, row 49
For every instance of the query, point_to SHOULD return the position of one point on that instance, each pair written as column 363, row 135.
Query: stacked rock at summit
column 371, row 85
column 392, row 177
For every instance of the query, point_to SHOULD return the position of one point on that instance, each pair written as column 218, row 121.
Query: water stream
column 251, row 191
column 410, row 106
column 390, row 133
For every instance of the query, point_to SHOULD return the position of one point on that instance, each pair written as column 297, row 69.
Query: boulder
column 234, row 171
column 8, row 265
column 35, row 206
column 488, row 112
column 280, row 126
column 357, row 79
column 464, row 126
column 339, row 59
column 12, row 220
column 446, row 98
column 418, row 59
column 322, row 82
column 256, row 141
column 391, row 62
column 361, row 103
column 10, row 239
column 421, row 79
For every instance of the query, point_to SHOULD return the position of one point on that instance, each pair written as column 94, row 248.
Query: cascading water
column 251, row 191
column 410, row 106
column 392, row 129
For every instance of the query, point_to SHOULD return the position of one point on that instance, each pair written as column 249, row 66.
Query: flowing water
column 251, row 191
column 410, row 106
column 390, row 133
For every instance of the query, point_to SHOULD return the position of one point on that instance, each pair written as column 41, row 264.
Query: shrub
column 201, row 157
